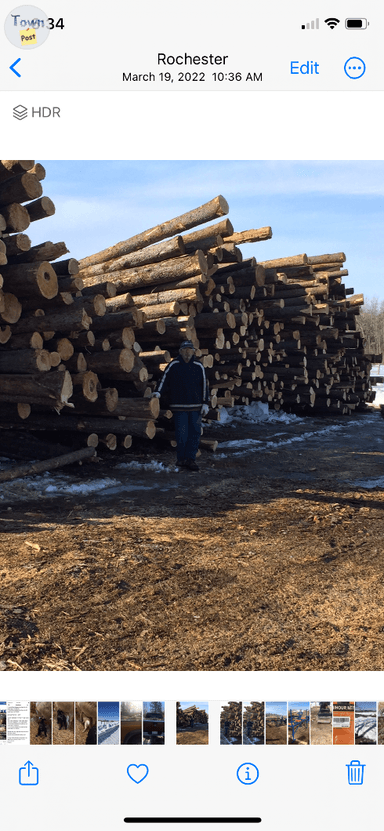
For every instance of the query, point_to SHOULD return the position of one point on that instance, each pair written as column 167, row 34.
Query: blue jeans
column 188, row 432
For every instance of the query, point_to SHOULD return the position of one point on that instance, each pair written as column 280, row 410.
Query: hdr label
column 20, row 112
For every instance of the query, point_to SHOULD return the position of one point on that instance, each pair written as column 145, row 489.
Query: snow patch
column 153, row 466
column 255, row 413
column 369, row 484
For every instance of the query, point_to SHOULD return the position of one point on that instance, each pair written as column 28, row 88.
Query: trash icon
column 355, row 773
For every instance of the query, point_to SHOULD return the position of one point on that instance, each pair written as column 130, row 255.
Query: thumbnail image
column 380, row 720
column 153, row 722
column 131, row 714
column 231, row 722
column 343, row 722
column 108, row 713
column 321, row 722
column 276, row 722
column 298, row 722
column 63, row 722
column 3, row 722
column 192, row 722
column 41, row 722
column 253, row 722
column 86, row 722
column 365, row 722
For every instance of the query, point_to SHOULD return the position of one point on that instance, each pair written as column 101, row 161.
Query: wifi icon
column 332, row 22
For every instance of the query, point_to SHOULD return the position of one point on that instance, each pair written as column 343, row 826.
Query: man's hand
column 204, row 410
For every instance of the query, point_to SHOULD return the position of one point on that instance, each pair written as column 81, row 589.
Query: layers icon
column 20, row 112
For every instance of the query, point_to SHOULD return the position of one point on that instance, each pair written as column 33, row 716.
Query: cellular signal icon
column 313, row 24
column 331, row 22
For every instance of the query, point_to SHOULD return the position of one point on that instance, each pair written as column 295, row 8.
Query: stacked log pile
column 94, row 336
column 183, row 717
column 253, row 721
column 231, row 721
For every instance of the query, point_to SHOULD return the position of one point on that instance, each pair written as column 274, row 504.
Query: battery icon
column 356, row 23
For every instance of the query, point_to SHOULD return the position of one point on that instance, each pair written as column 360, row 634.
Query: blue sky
column 313, row 207
column 201, row 705
column 108, row 710
column 298, row 705
column 276, row 708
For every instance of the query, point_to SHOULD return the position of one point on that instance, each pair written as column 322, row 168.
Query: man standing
column 184, row 389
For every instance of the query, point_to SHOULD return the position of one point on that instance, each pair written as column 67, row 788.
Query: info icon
column 247, row 773
column 27, row 27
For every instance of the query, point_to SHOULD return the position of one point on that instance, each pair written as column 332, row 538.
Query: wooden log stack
column 183, row 717
column 95, row 335
column 253, row 721
column 231, row 721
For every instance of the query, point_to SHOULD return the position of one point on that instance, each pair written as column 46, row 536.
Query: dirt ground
column 320, row 733
column 275, row 735
column 301, row 735
column 269, row 558
column 62, row 736
column 199, row 735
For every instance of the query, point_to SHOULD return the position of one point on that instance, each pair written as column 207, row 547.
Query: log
column 31, row 280
column 65, row 267
column 40, row 208
column 44, row 251
column 105, row 288
column 10, row 168
column 47, row 464
column 67, row 320
column 16, row 217
column 118, row 303
column 53, row 389
column 89, row 383
column 253, row 235
column 5, row 334
column 23, row 361
column 107, row 401
column 110, row 441
column 152, row 254
column 121, row 360
column 16, row 244
column 10, row 309
column 118, row 320
column 20, row 188
column 159, row 273
column 327, row 258
column 210, row 210
column 299, row 259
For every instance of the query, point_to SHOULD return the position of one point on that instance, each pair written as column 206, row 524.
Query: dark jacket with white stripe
column 184, row 386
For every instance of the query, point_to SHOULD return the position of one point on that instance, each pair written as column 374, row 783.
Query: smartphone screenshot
column 191, row 416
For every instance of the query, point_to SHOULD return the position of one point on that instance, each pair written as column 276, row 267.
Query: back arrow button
column 12, row 67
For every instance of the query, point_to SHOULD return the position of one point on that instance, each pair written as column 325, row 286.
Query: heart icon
column 137, row 773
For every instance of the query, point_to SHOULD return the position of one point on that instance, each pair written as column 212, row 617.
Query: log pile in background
column 253, row 721
column 94, row 336
column 231, row 720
